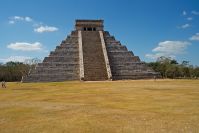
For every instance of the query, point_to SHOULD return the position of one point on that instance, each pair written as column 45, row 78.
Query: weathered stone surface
column 124, row 65
column 61, row 65
column 90, row 53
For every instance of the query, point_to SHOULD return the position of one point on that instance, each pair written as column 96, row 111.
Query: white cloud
column 18, row 18
column 195, row 13
column 157, row 55
column 15, row 19
column 28, row 19
column 189, row 18
column 38, row 25
column 184, row 13
column 195, row 37
column 11, row 22
column 42, row 29
column 24, row 46
column 168, row 49
column 15, row 59
column 171, row 47
column 185, row 26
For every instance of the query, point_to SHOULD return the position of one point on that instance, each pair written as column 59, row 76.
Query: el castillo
column 90, row 53
column 99, row 66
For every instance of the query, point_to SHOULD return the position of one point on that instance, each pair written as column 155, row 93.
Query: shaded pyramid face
column 89, row 53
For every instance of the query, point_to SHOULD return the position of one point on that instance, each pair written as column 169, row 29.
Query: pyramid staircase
column 94, row 63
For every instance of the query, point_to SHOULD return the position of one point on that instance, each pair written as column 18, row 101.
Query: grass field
column 161, row 106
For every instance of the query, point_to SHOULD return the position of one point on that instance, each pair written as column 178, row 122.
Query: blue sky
column 149, row 28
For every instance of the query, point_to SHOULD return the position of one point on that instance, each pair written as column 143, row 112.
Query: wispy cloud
column 189, row 18
column 14, row 19
column 184, row 13
column 25, row 46
column 15, row 59
column 184, row 26
column 172, row 47
column 195, row 12
column 195, row 37
column 28, row 19
column 38, row 26
column 11, row 22
column 42, row 29
column 169, row 49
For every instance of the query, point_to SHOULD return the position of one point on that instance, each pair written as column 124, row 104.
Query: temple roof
column 81, row 23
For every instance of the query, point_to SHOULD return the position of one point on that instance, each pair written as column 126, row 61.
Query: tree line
column 14, row 71
column 167, row 67
column 170, row 68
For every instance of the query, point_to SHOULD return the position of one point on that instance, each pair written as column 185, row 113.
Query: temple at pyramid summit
column 90, row 53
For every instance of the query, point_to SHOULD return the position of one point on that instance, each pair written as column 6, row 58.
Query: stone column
column 81, row 63
column 105, row 56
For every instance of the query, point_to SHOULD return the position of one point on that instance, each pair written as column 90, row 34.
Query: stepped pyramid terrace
column 90, row 53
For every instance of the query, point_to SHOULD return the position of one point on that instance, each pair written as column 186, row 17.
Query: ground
column 139, row 106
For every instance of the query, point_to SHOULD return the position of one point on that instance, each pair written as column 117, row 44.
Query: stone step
column 94, row 64
column 58, row 64
column 124, row 59
column 117, row 49
column 65, row 54
column 110, row 39
column 129, row 71
column 56, row 69
column 66, row 44
column 71, row 46
column 60, row 59
column 50, row 79
column 106, row 33
column 65, row 50
column 112, row 42
column 74, row 33
column 121, row 54
column 38, row 73
column 133, row 77
column 130, row 63
column 70, row 41
column 117, row 68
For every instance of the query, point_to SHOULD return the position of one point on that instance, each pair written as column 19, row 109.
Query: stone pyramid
column 89, row 53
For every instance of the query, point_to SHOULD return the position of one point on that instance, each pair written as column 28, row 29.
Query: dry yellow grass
column 160, row 106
